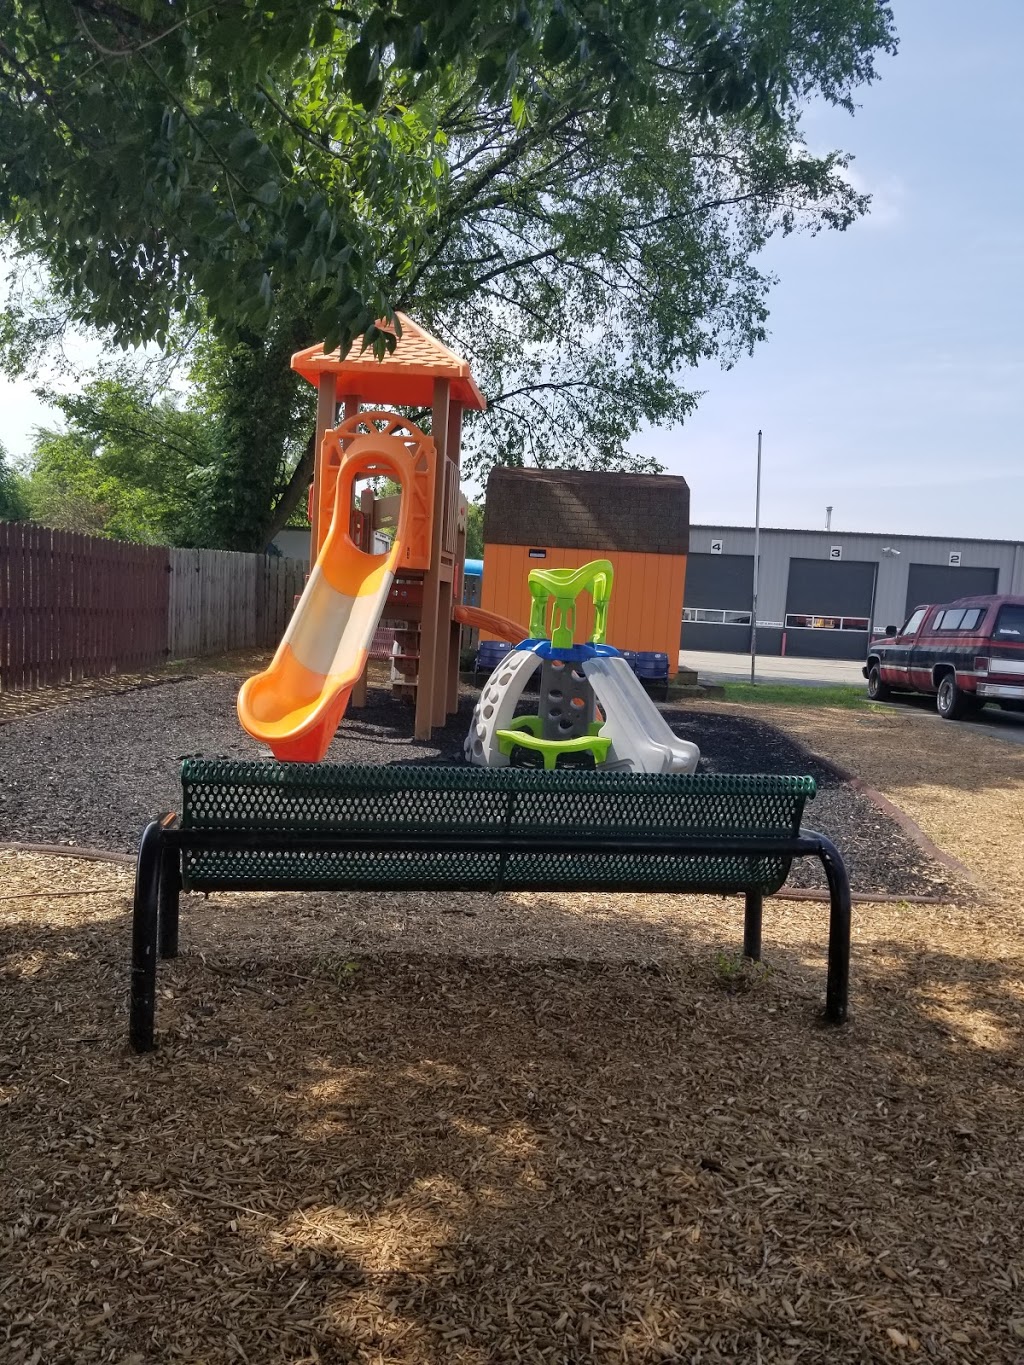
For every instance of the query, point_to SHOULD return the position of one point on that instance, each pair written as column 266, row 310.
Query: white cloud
column 888, row 197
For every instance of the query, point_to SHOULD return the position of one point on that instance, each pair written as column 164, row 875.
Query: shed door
column 939, row 583
column 828, row 608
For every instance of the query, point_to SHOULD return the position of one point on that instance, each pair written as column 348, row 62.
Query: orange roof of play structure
column 405, row 376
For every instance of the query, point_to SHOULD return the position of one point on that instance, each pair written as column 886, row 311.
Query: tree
column 573, row 197
column 65, row 491
column 157, row 148
column 262, row 421
column 475, row 531
column 125, row 465
column 13, row 506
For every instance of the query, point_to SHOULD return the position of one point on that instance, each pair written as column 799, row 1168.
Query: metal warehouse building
column 820, row 593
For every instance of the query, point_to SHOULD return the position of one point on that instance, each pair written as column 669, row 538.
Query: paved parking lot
column 713, row 667
column 770, row 668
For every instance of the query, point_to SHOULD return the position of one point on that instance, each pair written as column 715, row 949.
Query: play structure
column 296, row 704
column 576, row 680
column 399, row 558
column 559, row 518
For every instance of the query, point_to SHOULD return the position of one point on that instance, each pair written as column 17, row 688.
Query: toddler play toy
column 576, row 680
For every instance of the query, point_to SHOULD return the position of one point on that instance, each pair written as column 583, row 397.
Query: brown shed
column 561, row 518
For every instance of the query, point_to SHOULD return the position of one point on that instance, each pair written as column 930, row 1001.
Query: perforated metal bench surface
column 251, row 826
column 601, row 822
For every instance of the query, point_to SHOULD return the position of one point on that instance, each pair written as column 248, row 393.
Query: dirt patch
column 94, row 772
column 963, row 788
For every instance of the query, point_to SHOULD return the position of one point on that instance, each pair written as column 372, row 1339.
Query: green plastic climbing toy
column 565, row 585
column 565, row 732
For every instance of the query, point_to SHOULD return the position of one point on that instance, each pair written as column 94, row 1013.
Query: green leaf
column 323, row 29
column 518, row 109
column 243, row 144
column 559, row 38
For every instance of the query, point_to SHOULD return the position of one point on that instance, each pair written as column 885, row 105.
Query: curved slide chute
column 490, row 621
column 296, row 704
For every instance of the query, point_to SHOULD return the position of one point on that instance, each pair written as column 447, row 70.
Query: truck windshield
column 1009, row 623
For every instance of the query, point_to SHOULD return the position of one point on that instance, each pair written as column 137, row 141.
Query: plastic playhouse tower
column 296, row 704
column 630, row 735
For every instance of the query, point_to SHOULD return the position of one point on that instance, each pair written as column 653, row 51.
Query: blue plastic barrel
column 650, row 664
column 490, row 654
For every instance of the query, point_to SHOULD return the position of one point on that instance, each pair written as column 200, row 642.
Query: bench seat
column 289, row 826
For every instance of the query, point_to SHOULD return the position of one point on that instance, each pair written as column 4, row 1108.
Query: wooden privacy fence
column 220, row 600
column 75, row 606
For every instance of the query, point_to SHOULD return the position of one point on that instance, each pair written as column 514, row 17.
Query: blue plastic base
column 578, row 654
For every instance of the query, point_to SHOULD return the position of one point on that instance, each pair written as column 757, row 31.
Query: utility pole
column 757, row 561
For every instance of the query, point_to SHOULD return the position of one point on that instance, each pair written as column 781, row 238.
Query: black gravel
column 94, row 771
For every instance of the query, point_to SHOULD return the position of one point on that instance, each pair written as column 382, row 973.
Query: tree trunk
column 259, row 406
column 294, row 491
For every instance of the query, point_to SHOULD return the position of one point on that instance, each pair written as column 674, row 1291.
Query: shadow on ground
column 438, row 1159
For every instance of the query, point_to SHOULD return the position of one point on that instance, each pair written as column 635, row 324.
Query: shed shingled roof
column 574, row 509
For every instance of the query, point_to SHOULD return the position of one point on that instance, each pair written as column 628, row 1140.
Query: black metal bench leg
column 752, row 926
column 838, row 984
column 170, row 890
column 145, row 933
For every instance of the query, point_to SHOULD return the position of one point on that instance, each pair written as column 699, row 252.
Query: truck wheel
column 951, row 702
column 877, row 689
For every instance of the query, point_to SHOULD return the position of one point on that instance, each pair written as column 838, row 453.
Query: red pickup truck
column 965, row 653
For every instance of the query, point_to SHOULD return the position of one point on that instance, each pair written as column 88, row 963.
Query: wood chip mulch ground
column 528, row 1128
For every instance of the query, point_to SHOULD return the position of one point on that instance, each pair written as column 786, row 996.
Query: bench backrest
column 598, row 816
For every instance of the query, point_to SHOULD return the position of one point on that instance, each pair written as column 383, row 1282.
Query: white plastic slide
column 637, row 729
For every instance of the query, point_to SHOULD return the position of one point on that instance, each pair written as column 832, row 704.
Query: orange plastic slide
column 296, row 704
column 490, row 621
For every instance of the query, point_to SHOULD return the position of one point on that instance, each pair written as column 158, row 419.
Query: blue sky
column 892, row 382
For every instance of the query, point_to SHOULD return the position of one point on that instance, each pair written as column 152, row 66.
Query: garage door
column 716, row 604
column 940, row 583
column 828, row 608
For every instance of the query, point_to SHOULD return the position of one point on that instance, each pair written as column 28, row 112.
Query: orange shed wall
column 647, row 596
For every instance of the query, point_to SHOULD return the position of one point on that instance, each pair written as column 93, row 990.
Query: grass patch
column 850, row 696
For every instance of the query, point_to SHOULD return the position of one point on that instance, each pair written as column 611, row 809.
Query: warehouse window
column 716, row 616
column 795, row 621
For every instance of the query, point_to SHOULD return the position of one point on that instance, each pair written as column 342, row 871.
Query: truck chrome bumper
column 1000, row 690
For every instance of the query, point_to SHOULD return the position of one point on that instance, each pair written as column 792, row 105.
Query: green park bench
column 304, row 827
